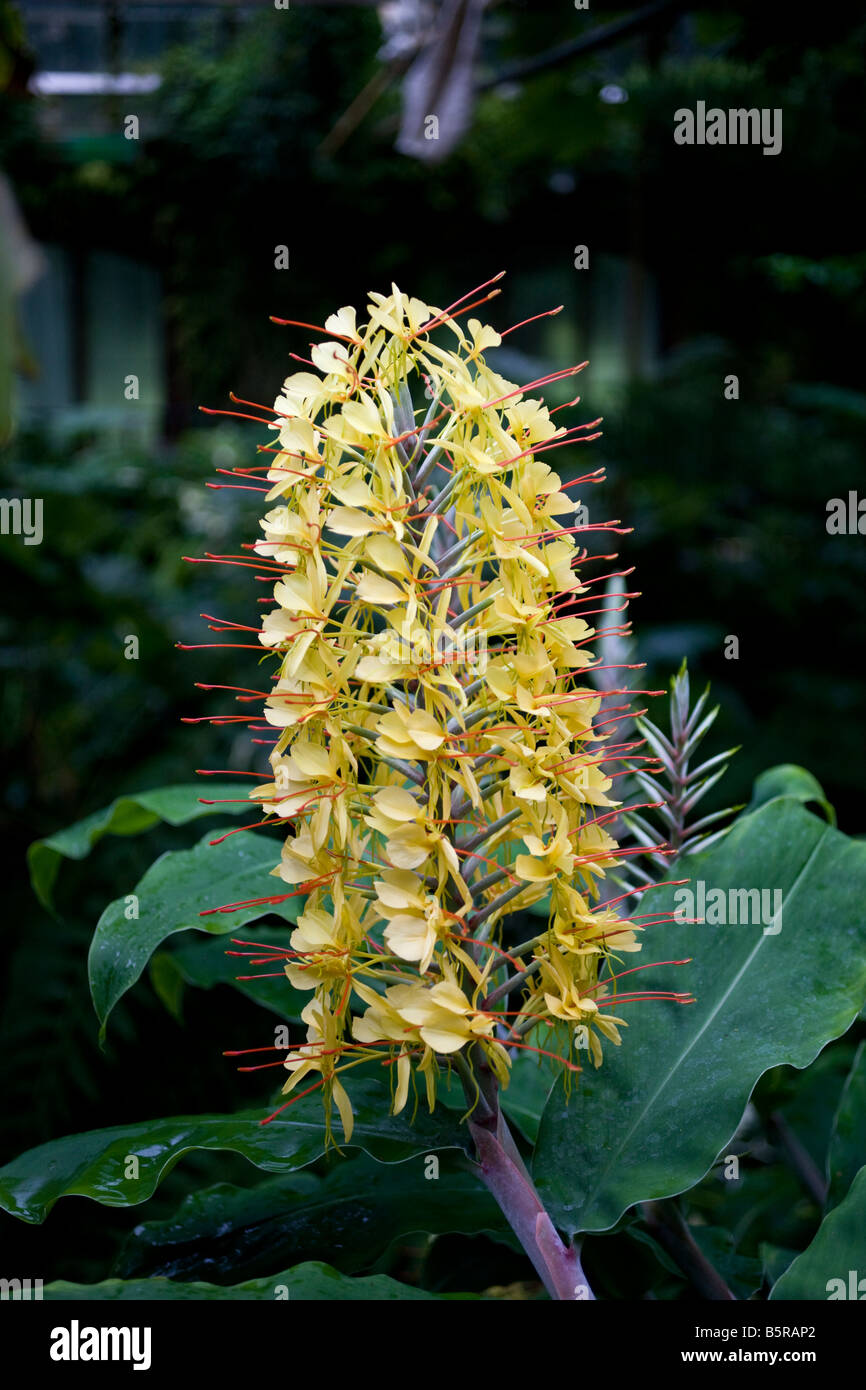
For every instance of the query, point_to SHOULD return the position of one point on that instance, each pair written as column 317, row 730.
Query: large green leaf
column 173, row 893
column 306, row 1282
column 796, row 783
column 95, row 1164
column 128, row 815
column 203, row 963
column 847, row 1149
column 354, row 1213
column 653, row 1119
column 837, row 1252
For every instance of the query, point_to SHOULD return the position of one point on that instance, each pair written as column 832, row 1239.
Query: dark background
column 156, row 258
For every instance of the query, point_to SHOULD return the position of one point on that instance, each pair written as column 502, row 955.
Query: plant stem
column 798, row 1158
column 485, row 913
column 511, row 983
column 506, row 1177
column 475, row 841
column 666, row 1223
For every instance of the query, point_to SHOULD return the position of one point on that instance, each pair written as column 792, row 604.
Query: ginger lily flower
column 438, row 762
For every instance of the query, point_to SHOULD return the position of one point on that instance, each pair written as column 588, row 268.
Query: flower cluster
column 437, row 763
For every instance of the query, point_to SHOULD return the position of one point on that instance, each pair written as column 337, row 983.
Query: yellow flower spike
column 438, row 761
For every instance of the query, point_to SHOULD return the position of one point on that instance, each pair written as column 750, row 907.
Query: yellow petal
column 295, row 593
column 387, row 554
column 534, row 870
column 374, row 588
column 311, row 760
column 408, row 937
column 349, row 521
column 451, row 997
column 344, row 1105
column 342, row 322
column 408, row 847
column 441, row 1041
column 398, row 803
column 424, row 730
column 363, row 416
column 354, row 492
column 404, row 1069
column 374, row 670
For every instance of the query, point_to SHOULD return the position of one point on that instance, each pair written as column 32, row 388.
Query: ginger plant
column 438, row 761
